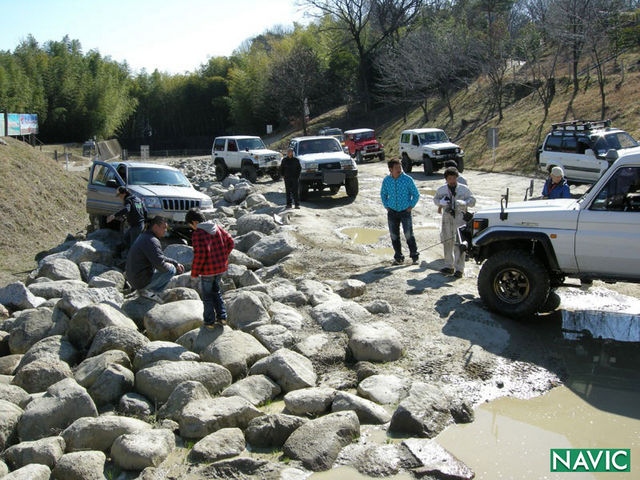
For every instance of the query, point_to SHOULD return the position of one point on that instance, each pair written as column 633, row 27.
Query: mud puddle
column 364, row 236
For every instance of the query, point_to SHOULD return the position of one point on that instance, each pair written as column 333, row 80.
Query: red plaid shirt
column 210, row 252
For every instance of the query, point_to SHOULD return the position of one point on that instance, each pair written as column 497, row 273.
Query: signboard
column 2, row 132
column 13, row 124
column 144, row 152
column 28, row 124
column 492, row 137
column 269, row 129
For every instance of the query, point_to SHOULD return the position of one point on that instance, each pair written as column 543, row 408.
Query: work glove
column 461, row 203
column 444, row 202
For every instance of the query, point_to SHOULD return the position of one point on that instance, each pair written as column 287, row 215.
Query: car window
column 218, row 146
column 404, row 138
column 364, row 136
column 620, row 140
column 415, row 140
column 231, row 146
column 157, row 176
column 122, row 171
column 621, row 192
column 433, row 137
column 319, row 145
column 250, row 144
column 102, row 174
column 553, row 144
column 570, row 144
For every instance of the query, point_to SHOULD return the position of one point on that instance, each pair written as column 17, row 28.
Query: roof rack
column 580, row 125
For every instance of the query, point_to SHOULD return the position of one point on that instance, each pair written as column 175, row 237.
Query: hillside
column 41, row 204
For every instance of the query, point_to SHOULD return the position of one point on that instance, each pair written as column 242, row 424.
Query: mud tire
column 249, row 172
column 427, row 166
column 222, row 171
column 406, row 163
column 351, row 186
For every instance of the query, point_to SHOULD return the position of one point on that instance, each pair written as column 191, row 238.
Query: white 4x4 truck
column 429, row 147
column 528, row 248
column 244, row 154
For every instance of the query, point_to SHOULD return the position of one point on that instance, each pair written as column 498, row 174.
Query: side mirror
column 612, row 155
column 345, row 149
column 112, row 183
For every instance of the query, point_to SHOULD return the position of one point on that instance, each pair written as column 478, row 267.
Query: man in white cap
column 556, row 186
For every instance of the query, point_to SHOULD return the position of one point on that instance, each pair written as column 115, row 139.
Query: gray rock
column 247, row 279
column 88, row 372
column 286, row 316
column 40, row 374
column 424, row 413
column 289, row 369
column 184, row 280
column 56, row 347
column 9, row 364
column 137, row 307
column 198, row 339
column 9, row 416
column 246, row 311
column 235, row 272
column 225, row 443
column 178, row 294
column 274, row 337
column 30, row 327
column 318, row 292
column 255, row 222
column 364, row 370
column 201, row 417
column 256, row 389
column 378, row 307
column 155, row 351
column 16, row 296
column 64, row 403
column 57, row 288
column 181, row 253
column 384, row 389
column 99, row 433
column 336, row 316
column 110, row 278
column 378, row 342
column 271, row 431
column 270, row 250
column 284, row 291
column 4, row 469
column 35, row 471
column 184, row 393
column 88, row 270
column 135, row 405
column 382, row 461
column 90, row 251
column 318, row 442
column 324, row 348
column 351, row 288
column 170, row 320
column 87, row 321
column 436, row 461
column 80, row 466
column 239, row 258
column 59, row 269
column 237, row 193
column 117, row 338
column 367, row 411
column 73, row 301
column 310, row 401
column 157, row 381
column 147, row 448
column 112, row 383
column 14, row 394
column 236, row 351
column 46, row 451
column 244, row 242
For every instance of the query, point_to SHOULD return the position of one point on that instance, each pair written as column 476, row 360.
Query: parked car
column 324, row 164
column 244, row 154
column 580, row 147
column 165, row 191
column 430, row 147
column 332, row 132
column 528, row 248
column 362, row 144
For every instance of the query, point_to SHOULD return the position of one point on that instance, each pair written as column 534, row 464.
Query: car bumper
column 328, row 177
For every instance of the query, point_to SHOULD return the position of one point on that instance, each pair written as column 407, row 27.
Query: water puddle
column 383, row 252
column 364, row 236
column 427, row 191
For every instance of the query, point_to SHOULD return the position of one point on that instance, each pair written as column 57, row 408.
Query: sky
column 173, row 36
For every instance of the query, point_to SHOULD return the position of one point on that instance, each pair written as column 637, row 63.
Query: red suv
column 362, row 144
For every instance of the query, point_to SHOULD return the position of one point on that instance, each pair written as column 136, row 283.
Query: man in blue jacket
column 399, row 195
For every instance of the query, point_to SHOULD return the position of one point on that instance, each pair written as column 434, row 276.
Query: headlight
column 437, row 152
column 347, row 164
column 310, row 167
column 206, row 203
column 152, row 202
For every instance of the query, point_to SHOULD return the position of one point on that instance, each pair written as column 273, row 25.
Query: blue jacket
column 561, row 190
column 399, row 193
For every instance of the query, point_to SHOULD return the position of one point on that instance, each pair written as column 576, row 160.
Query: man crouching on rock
column 148, row 270
column 211, row 248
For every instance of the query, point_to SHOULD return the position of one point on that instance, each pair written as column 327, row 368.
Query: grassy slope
column 41, row 204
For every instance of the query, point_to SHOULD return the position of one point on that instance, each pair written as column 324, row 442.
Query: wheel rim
column 511, row 285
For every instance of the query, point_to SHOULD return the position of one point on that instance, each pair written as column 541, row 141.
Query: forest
column 364, row 54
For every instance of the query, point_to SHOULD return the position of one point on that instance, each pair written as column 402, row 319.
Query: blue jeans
column 212, row 299
column 394, row 219
column 159, row 280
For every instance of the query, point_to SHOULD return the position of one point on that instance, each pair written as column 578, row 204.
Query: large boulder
column 171, row 320
column 271, row 431
column 350, row 288
column 16, row 296
column 318, row 442
column 100, row 432
column 225, row 443
column 88, row 270
column 424, row 413
column 270, row 250
column 385, row 389
column 59, row 269
column 198, row 339
column 181, row 253
column 57, row 288
column 274, row 337
column 64, row 403
column 317, row 292
column 112, row 383
column 142, row 449
column 435, row 461
column 286, row 316
column 110, row 278
column 336, row 316
column 40, row 374
column 157, row 381
column 377, row 342
column 235, row 350
column 73, row 301
column 9, row 364
column 46, row 451
column 310, row 401
column 29, row 327
column 56, row 347
column 255, row 222
column 135, row 405
column 244, row 242
column 34, row 471
column 184, row 393
column 367, row 411
column 117, row 338
column 256, row 389
column 88, row 372
column 87, row 321
column 246, row 311
column 239, row 258
column 80, row 466
column 14, row 394
column 90, row 251
column 10, row 414
column 324, row 348
column 287, row 368
column 155, row 351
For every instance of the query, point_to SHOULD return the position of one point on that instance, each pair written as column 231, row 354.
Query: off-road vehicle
column 529, row 248
column 429, row 147
column 324, row 164
column 164, row 190
column 362, row 144
column 580, row 147
column 244, row 154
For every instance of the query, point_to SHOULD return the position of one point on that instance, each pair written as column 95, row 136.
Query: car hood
column 263, row 152
column 324, row 157
column 166, row 191
column 439, row 146
column 367, row 142
column 561, row 213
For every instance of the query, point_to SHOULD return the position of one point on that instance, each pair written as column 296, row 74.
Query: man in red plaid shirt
column 211, row 248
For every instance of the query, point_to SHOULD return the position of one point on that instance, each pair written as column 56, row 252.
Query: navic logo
column 590, row 460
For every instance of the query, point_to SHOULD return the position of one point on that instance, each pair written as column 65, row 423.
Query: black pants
column 291, row 191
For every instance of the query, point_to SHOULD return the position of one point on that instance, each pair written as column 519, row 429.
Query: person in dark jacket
column 134, row 211
column 290, row 170
column 148, row 270
column 211, row 248
column 556, row 185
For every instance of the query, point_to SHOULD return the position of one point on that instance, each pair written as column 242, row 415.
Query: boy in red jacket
column 211, row 248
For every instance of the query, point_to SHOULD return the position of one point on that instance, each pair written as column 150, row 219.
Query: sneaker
column 210, row 324
column 458, row 274
column 150, row 295
column 446, row 270
column 397, row 261
column 415, row 260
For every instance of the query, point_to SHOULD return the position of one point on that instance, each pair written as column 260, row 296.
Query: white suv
column 580, row 147
column 430, row 147
column 244, row 154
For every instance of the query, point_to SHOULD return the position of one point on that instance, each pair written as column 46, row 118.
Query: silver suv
column 164, row 190
column 430, row 147
column 244, row 154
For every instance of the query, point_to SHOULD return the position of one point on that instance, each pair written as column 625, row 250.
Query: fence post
column 55, row 155
column 66, row 161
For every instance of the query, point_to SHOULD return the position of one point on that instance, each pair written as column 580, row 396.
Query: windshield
column 157, row 176
column 615, row 141
column 332, row 131
column 251, row 144
column 319, row 145
column 433, row 137
column 358, row 137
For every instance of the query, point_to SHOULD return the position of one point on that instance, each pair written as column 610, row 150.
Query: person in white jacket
column 454, row 198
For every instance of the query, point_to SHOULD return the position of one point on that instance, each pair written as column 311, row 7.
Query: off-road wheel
column 460, row 164
column 351, row 186
column 406, row 163
column 222, row 171
column 275, row 176
column 358, row 156
column 381, row 157
column 334, row 189
column 427, row 166
column 249, row 172
column 303, row 191
column 514, row 283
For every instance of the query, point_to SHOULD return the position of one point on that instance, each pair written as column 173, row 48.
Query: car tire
column 334, row 189
column 381, row 157
column 358, row 156
column 222, row 171
column 514, row 283
column 275, row 176
column 351, row 186
column 249, row 172
column 427, row 166
column 460, row 165
column 303, row 191
column 406, row 163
